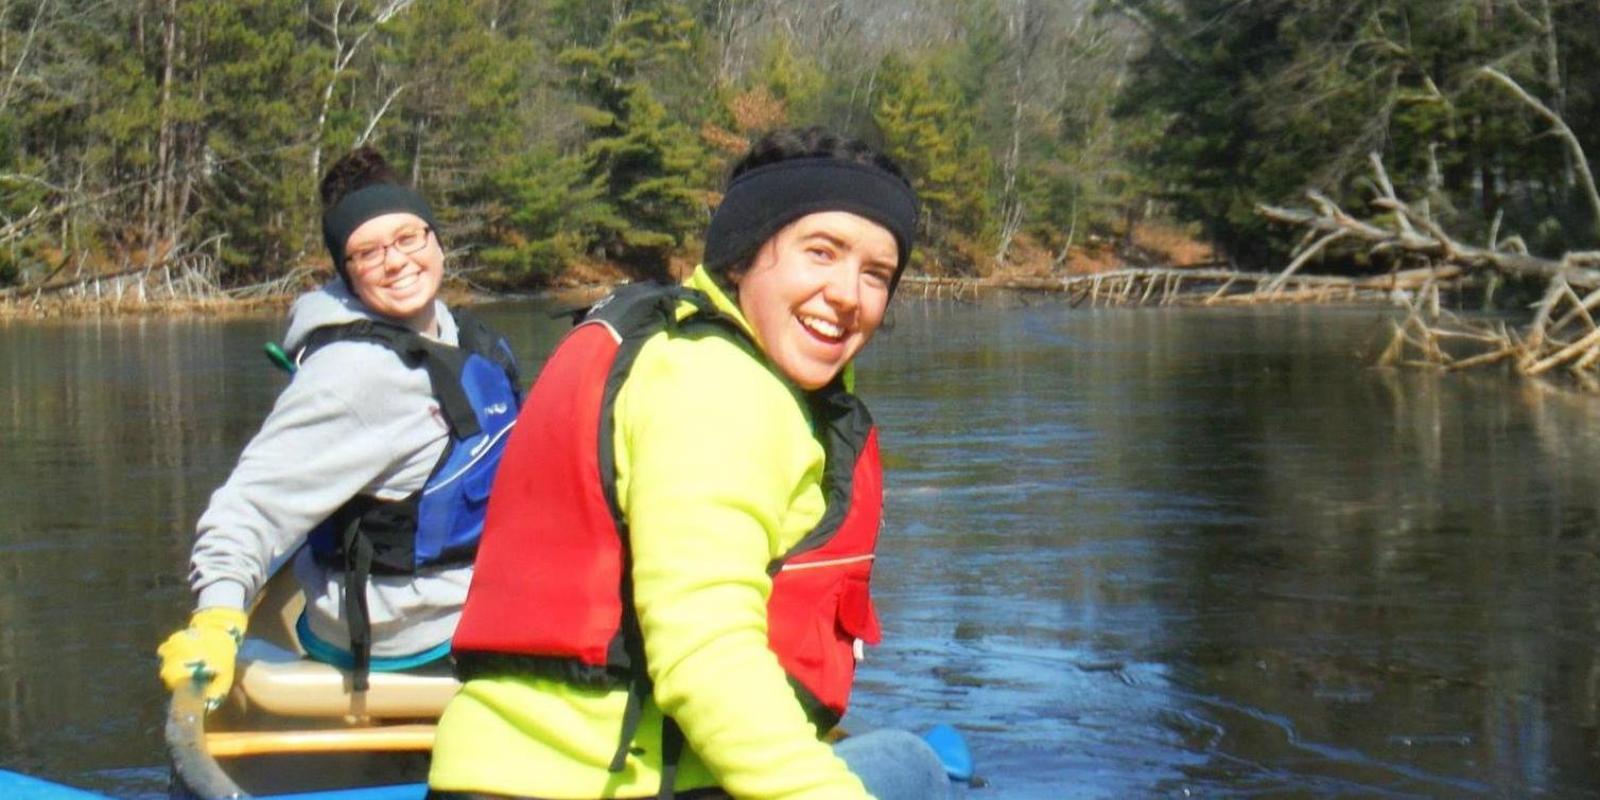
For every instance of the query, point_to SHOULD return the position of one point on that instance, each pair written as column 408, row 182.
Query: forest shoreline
column 1200, row 284
column 152, row 293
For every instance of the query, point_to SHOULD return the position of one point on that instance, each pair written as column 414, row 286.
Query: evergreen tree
column 792, row 78
column 640, row 163
column 45, row 65
column 191, row 132
column 463, row 116
column 245, row 116
column 536, row 215
column 930, row 132
column 1194, row 78
column 1258, row 107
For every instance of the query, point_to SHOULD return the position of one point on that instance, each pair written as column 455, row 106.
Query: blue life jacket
column 477, row 387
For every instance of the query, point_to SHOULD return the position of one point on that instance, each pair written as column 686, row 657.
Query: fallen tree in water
column 1563, row 332
column 1192, row 286
column 1562, row 335
column 1232, row 287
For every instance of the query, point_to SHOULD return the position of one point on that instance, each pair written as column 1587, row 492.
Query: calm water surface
column 1132, row 553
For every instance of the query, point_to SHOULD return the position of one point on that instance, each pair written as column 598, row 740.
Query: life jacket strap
column 453, row 402
column 358, row 567
column 671, row 754
column 440, row 361
column 638, row 690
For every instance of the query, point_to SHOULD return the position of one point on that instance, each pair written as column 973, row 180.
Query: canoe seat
column 281, row 682
column 275, row 676
column 312, row 689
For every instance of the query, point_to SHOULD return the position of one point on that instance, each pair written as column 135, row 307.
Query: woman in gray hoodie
column 359, row 454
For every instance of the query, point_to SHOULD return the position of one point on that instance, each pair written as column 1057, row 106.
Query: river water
column 1130, row 553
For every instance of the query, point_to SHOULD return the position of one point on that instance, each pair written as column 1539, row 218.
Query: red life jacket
column 552, row 593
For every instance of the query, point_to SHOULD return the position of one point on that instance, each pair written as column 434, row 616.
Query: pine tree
column 462, row 119
column 930, row 132
column 1259, row 107
column 246, row 111
column 536, row 216
column 640, row 163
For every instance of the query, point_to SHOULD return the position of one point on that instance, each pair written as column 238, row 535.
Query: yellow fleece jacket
column 717, row 474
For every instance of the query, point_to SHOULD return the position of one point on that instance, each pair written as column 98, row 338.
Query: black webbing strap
column 638, row 690
column 446, row 387
column 358, row 567
column 415, row 350
column 671, row 753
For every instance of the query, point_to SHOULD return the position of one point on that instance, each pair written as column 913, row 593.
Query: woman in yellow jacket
column 673, row 574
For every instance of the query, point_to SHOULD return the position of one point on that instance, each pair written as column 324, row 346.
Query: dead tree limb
column 1585, row 175
column 1510, row 263
column 1310, row 252
column 1563, row 333
column 52, row 288
column 1567, row 353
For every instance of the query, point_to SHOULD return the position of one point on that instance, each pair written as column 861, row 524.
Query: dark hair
column 359, row 186
column 355, row 170
column 788, row 143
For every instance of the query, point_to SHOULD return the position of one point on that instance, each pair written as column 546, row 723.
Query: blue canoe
column 15, row 786
column 291, row 729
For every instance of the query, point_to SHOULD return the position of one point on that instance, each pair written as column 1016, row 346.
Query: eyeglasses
column 409, row 241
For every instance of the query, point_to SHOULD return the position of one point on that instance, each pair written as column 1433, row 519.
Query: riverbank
column 1154, row 251
column 455, row 293
column 1118, row 286
column 132, row 303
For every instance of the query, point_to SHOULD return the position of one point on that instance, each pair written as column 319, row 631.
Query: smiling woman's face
column 816, row 293
column 401, row 285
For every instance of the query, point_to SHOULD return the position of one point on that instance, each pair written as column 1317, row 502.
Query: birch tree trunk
column 343, row 54
column 27, row 47
column 156, row 195
column 1025, row 28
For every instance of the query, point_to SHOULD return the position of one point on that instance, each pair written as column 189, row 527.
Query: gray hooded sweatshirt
column 354, row 420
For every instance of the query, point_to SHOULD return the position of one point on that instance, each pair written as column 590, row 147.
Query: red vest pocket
column 856, row 615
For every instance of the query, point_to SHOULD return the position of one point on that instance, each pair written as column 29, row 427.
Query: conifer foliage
column 638, row 161
column 1262, row 101
column 928, row 127
column 186, row 136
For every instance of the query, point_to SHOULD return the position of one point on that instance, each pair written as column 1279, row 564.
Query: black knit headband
column 364, row 204
column 759, row 203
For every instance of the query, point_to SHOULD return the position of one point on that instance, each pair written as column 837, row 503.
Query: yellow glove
column 203, row 653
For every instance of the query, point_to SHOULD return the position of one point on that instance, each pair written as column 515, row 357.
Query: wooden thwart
column 386, row 738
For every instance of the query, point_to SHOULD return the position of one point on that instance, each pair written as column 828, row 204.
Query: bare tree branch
column 1585, row 175
column 27, row 46
column 342, row 56
column 372, row 124
column 1310, row 253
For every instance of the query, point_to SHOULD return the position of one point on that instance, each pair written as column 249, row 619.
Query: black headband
column 363, row 204
column 759, row 203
